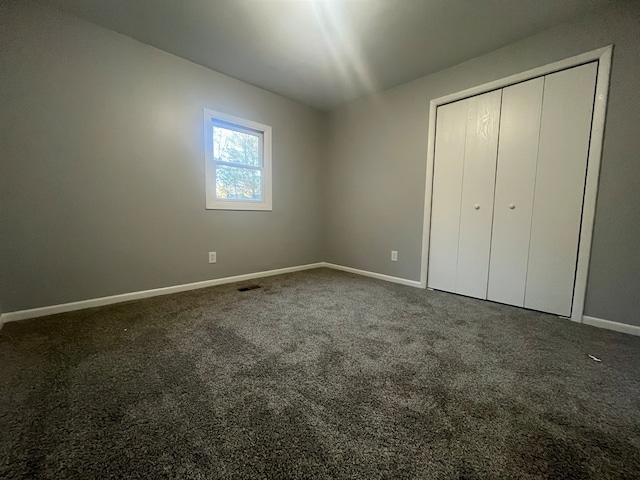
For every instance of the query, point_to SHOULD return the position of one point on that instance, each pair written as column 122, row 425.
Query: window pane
column 236, row 147
column 237, row 183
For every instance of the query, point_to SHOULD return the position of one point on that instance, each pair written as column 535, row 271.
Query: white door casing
column 603, row 58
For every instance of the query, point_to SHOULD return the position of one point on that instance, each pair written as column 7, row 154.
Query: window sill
column 249, row 206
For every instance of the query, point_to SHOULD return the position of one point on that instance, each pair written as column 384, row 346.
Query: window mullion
column 237, row 165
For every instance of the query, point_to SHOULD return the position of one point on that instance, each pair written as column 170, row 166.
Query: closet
column 508, row 185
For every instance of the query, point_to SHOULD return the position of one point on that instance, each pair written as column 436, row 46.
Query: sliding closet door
column 478, row 181
column 515, row 180
column 451, row 126
column 560, row 179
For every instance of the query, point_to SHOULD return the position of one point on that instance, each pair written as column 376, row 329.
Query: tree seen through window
column 238, row 161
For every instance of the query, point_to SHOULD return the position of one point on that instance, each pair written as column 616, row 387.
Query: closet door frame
column 603, row 57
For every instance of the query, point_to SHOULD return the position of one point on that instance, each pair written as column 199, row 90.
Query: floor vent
column 250, row 287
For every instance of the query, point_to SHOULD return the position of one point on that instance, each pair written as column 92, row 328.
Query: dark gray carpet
column 319, row 374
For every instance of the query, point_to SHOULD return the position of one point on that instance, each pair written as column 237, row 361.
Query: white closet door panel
column 557, row 206
column 451, row 124
column 478, row 181
column 515, row 181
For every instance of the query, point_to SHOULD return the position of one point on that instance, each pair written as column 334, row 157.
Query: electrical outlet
column 394, row 256
column 212, row 257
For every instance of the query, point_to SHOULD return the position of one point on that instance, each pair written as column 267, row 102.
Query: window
column 237, row 163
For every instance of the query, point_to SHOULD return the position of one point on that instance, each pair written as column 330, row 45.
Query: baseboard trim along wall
column 125, row 297
column 379, row 276
column 609, row 325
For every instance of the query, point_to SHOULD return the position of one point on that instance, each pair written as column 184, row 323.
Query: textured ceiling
column 326, row 52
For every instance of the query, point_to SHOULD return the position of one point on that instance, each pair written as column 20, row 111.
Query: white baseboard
column 609, row 325
column 125, row 297
column 379, row 276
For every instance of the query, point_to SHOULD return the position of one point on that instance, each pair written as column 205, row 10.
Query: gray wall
column 377, row 161
column 102, row 167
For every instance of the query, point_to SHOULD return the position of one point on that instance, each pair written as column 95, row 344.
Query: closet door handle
column 477, row 206
column 512, row 206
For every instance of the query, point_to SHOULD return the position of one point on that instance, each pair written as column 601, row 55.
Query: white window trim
column 214, row 203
